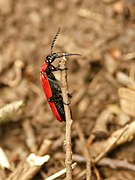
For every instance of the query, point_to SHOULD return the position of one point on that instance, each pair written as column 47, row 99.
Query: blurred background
column 103, row 32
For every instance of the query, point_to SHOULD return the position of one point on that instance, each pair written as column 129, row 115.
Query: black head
column 50, row 58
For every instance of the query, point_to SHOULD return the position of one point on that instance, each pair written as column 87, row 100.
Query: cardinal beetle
column 50, row 84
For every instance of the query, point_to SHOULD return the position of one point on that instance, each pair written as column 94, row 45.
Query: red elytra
column 48, row 91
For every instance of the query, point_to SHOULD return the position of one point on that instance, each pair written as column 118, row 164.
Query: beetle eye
column 48, row 59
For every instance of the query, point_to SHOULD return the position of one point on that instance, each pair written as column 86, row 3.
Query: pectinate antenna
column 54, row 39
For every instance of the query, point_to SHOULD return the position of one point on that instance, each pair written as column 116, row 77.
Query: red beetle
column 50, row 84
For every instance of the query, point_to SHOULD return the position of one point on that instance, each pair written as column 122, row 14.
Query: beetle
column 50, row 84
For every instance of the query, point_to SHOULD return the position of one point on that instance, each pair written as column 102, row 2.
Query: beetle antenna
column 62, row 55
column 54, row 39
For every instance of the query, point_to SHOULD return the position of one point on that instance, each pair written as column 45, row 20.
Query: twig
column 3, row 174
column 90, row 140
column 112, row 163
column 45, row 147
column 4, row 162
column 132, row 71
column 100, row 129
column 127, row 100
column 116, row 164
column 9, row 110
column 30, row 136
column 111, row 145
column 120, row 136
column 96, row 173
column 123, row 118
column 64, row 88
column 94, row 16
column 125, row 80
column 78, row 96
column 18, row 66
column 79, row 158
column 31, row 165
column 33, row 87
column 81, row 175
column 85, row 150
column 60, row 173
column 129, row 56
column 90, row 15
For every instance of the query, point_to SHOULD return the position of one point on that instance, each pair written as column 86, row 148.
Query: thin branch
column 28, row 167
column 96, row 173
column 60, row 173
column 4, row 162
column 100, row 129
column 45, row 147
column 94, row 16
column 64, row 88
column 129, row 56
column 101, row 148
column 9, row 110
column 112, row 163
column 117, row 164
column 30, row 139
column 85, row 151
column 111, row 145
column 112, row 142
column 32, row 163
column 18, row 66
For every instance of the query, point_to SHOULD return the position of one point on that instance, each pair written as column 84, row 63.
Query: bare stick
column 18, row 66
column 28, row 167
column 112, row 163
column 111, row 145
column 45, row 147
column 96, row 173
column 120, row 136
column 85, row 151
column 117, row 164
column 9, row 110
column 4, row 162
column 64, row 88
column 31, row 164
column 100, row 128
column 60, row 173
column 30, row 136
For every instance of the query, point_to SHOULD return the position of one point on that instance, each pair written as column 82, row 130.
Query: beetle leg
column 62, row 69
column 53, row 68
